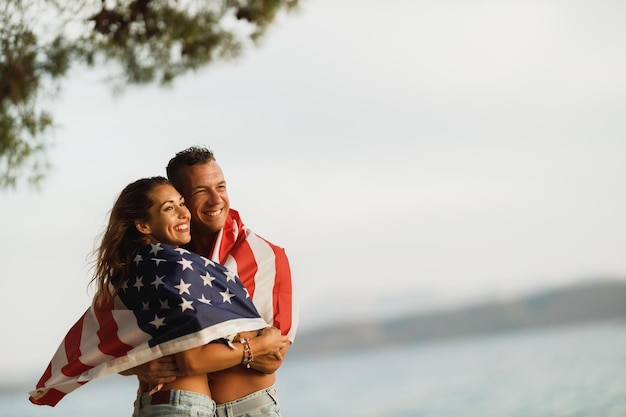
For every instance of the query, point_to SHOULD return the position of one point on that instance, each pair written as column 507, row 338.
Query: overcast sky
column 407, row 154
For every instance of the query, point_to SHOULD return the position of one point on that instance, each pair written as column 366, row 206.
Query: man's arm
column 158, row 371
column 209, row 358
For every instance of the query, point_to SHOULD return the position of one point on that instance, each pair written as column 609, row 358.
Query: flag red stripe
column 52, row 397
column 230, row 232
column 109, row 344
column 46, row 376
column 72, row 350
column 283, row 292
column 246, row 265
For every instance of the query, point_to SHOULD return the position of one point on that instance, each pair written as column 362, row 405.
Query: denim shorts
column 174, row 403
column 263, row 403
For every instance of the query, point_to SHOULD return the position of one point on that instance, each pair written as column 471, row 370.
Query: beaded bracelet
column 247, row 351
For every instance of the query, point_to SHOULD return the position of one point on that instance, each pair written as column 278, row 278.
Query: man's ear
column 143, row 227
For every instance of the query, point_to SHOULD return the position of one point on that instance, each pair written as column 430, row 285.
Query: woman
column 146, row 308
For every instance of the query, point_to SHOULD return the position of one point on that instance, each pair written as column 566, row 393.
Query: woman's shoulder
column 161, row 252
column 158, row 250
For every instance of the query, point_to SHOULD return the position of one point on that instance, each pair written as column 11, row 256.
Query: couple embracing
column 204, row 321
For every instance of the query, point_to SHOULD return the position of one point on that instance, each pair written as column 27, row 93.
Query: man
column 219, row 234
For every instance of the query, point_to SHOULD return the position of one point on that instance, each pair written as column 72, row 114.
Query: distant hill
column 582, row 303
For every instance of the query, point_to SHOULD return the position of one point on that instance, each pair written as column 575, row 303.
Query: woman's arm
column 214, row 357
column 209, row 358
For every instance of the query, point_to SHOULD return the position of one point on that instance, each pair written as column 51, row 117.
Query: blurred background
column 446, row 177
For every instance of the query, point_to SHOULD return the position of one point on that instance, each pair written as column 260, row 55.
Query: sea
column 577, row 371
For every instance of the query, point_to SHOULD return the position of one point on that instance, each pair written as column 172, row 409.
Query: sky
column 408, row 155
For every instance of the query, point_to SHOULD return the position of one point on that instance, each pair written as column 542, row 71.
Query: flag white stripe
column 264, row 279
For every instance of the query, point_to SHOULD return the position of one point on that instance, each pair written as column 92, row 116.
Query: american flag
column 263, row 268
column 173, row 300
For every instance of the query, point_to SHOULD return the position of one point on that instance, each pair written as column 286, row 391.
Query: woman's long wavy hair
column 121, row 239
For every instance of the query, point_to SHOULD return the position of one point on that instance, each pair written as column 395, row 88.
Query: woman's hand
column 268, row 350
column 269, row 342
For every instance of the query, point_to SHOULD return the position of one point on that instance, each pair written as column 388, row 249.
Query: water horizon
column 569, row 371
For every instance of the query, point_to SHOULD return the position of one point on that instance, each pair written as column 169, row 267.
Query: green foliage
column 24, row 64
column 149, row 41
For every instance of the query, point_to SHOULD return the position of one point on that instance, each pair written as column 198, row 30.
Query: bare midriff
column 236, row 382
column 195, row 383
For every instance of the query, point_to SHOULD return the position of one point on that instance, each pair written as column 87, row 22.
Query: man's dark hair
column 190, row 156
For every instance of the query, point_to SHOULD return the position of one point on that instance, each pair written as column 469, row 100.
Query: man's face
column 204, row 189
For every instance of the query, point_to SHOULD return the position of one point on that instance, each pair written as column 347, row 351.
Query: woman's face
column 168, row 217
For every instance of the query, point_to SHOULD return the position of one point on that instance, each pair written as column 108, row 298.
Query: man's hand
column 158, row 371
